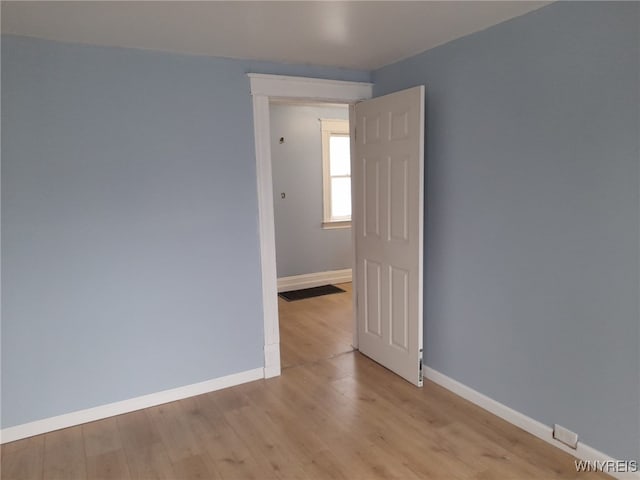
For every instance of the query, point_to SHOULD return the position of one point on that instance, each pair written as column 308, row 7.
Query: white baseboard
column 25, row 430
column 309, row 280
column 528, row 424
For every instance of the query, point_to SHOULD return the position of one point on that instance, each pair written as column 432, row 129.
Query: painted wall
column 532, row 215
column 130, row 259
column 302, row 245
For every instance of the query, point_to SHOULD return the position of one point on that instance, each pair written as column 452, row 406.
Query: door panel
column 388, row 177
column 398, row 187
column 371, row 129
column 399, row 296
column 371, row 195
column 372, row 298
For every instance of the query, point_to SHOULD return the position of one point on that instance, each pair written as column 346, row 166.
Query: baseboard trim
column 309, row 280
column 528, row 424
column 79, row 417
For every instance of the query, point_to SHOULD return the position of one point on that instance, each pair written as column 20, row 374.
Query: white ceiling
column 362, row 35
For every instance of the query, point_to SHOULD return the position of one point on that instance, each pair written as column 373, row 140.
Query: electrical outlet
column 565, row 436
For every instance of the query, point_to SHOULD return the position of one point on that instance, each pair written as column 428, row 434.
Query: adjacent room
column 467, row 174
column 310, row 159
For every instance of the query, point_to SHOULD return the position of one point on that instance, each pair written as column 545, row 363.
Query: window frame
column 331, row 127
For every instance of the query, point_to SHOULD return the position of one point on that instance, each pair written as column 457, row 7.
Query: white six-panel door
column 388, row 166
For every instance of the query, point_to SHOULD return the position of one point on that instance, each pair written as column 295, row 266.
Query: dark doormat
column 294, row 295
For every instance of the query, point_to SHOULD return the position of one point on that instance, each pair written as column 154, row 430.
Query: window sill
column 334, row 225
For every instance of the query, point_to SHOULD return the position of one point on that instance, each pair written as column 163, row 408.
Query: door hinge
column 420, row 373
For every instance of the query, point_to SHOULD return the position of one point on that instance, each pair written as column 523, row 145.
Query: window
column 336, row 172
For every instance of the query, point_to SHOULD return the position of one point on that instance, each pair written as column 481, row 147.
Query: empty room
column 320, row 239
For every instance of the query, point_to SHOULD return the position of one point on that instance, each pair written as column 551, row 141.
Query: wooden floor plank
column 105, row 456
column 187, row 453
column 264, row 439
column 108, row 466
column 23, row 460
column 147, row 457
column 64, row 455
column 315, row 328
column 229, row 452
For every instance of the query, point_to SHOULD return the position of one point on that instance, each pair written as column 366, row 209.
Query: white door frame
column 263, row 89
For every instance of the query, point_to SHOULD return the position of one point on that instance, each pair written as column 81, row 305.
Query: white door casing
column 388, row 172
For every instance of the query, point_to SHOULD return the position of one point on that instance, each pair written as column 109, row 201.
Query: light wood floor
column 316, row 328
column 330, row 415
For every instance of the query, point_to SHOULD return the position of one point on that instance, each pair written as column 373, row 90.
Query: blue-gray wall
column 302, row 245
column 130, row 260
column 532, row 252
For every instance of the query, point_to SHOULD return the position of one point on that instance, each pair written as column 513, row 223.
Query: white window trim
column 330, row 126
column 336, row 224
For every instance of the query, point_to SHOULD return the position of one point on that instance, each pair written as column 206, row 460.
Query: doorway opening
column 311, row 175
column 265, row 89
